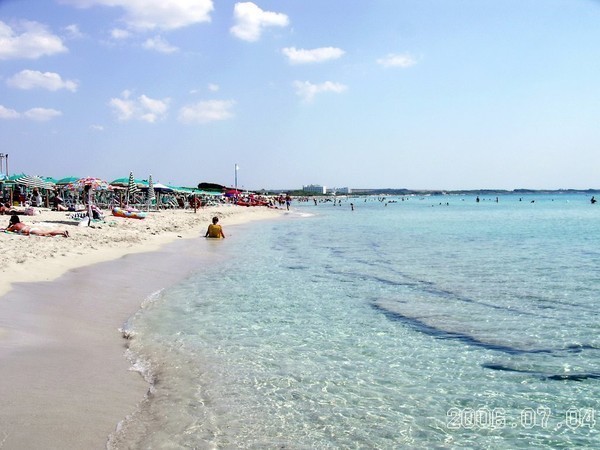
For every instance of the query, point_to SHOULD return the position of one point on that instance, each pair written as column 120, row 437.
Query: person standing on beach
column 288, row 201
column 215, row 230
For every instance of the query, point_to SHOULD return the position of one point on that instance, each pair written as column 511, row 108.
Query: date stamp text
column 481, row 418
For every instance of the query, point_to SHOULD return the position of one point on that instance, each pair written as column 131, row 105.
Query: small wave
column 127, row 330
column 141, row 366
column 151, row 298
column 300, row 214
column 145, row 369
column 138, row 364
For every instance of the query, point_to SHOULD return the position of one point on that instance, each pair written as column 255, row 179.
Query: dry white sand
column 65, row 382
column 37, row 258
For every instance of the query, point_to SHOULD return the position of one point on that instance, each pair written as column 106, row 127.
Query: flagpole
column 236, row 170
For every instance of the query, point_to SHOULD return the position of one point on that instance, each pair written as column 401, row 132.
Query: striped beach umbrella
column 132, row 187
column 95, row 183
column 34, row 182
column 151, row 193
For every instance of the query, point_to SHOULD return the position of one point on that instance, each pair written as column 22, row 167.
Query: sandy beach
column 65, row 380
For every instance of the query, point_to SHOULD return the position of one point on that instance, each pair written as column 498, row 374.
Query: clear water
column 412, row 325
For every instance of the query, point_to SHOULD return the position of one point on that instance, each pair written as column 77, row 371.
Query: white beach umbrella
column 34, row 181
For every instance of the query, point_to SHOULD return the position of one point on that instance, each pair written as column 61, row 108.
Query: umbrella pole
column 90, row 213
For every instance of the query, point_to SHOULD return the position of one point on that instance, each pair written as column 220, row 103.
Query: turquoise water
column 433, row 322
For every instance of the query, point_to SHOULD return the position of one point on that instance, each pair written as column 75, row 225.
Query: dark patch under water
column 440, row 333
column 581, row 376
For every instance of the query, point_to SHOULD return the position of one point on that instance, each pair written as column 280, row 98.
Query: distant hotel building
column 314, row 189
column 342, row 190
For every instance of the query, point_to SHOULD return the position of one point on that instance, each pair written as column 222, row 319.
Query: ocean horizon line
column 406, row 191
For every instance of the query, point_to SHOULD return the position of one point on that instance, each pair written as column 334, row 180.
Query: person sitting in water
column 215, row 230
column 16, row 226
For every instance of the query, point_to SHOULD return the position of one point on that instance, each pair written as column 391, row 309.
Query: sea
column 426, row 322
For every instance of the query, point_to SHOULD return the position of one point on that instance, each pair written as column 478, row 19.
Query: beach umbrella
column 67, row 180
column 124, row 182
column 15, row 177
column 162, row 188
column 151, row 193
column 49, row 180
column 132, row 187
column 34, row 182
column 95, row 183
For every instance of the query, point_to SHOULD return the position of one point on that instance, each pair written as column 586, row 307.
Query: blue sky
column 421, row 94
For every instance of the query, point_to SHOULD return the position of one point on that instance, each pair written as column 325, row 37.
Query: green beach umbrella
column 67, row 180
column 49, row 180
column 15, row 177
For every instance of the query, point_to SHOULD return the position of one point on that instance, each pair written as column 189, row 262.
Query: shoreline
column 65, row 384
column 46, row 258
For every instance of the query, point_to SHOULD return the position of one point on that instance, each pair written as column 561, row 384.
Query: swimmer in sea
column 15, row 225
column 215, row 230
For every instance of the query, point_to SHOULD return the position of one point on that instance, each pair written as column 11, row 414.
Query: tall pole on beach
column 4, row 163
column 236, row 171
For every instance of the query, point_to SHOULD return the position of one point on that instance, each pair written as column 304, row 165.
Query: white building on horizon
column 343, row 190
column 314, row 189
column 339, row 191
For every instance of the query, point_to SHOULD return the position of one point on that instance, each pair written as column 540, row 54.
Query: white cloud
column 97, row 127
column 308, row 90
column 143, row 108
column 41, row 114
column 213, row 87
column 316, row 55
column 160, row 45
column 153, row 106
column 6, row 113
column 118, row 33
column 124, row 109
column 156, row 14
column 207, row 111
column 397, row 60
column 31, row 79
column 37, row 114
column 250, row 21
column 73, row 31
column 29, row 40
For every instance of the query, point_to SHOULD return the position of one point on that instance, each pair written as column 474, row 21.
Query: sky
column 417, row 94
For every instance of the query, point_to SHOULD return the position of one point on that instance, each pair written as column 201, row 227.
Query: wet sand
column 66, row 382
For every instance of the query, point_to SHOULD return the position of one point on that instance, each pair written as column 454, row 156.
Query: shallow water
column 417, row 323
